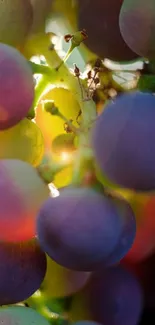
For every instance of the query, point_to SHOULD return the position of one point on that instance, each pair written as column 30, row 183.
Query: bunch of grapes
column 77, row 162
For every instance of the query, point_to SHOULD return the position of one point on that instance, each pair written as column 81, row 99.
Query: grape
column 22, row 269
column 23, row 141
column 80, row 228
column 144, row 243
column 62, row 282
column 22, row 193
column 17, row 86
column 123, row 141
column 41, row 11
column 17, row 315
column 112, row 296
column 100, row 18
column 52, row 126
column 63, row 142
column 15, row 21
column 137, row 26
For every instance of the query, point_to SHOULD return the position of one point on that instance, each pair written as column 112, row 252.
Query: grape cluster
column 77, row 162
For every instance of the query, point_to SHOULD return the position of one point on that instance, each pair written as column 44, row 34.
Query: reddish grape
column 17, row 87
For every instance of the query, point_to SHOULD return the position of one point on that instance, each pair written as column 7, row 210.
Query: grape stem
column 41, row 86
column 63, row 77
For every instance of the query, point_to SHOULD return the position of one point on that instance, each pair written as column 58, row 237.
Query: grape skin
column 22, row 269
column 100, row 18
column 15, row 21
column 123, row 141
column 79, row 229
column 22, row 193
column 17, row 315
column 137, row 26
column 112, row 296
column 17, row 87
column 128, row 231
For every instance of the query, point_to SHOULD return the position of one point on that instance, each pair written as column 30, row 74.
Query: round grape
column 17, row 87
column 79, row 229
column 112, row 296
column 123, row 141
column 100, row 18
column 137, row 26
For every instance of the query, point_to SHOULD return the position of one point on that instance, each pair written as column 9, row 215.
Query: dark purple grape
column 17, row 87
column 123, row 141
column 17, row 315
column 22, row 269
column 112, row 297
column 137, row 26
column 80, row 228
column 100, row 18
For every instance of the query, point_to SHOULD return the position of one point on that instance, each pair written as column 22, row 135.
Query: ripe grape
column 80, row 228
column 123, row 141
column 62, row 282
column 17, row 315
column 41, row 11
column 22, row 269
column 24, row 141
column 17, row 86
column 15, row 21
column 137, row 26
column 112, row 296
column 101, row 21
column 22, row 193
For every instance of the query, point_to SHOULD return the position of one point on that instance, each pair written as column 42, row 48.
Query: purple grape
column 80, row 228
column 123, row 141
column 112, row 297
column 100, row 18
column 17, row 87
column 22, row 269
column 137, row 26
